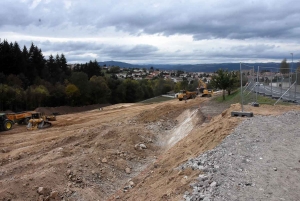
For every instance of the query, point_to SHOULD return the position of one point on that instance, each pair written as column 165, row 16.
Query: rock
column 142, row 146
column 53, row 194
column 127, row 170
column 275, row 169
column 41, row 190
column 69, row 172
column 131, row 183
column 104, row 160
column 213, row 184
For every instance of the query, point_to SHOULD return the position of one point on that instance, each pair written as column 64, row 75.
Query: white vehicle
column 258, row 84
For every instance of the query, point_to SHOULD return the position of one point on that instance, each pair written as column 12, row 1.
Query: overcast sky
column 156, row 31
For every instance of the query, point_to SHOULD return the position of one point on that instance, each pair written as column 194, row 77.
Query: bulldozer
column 5, row 123
column 38, row 121
column 202, row 89
column 184, row 95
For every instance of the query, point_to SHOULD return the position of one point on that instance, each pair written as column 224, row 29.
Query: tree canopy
column 224, row 80
column 284, row 67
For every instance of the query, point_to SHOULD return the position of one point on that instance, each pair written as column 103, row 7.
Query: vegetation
column 235, row 97
column 284, row 67
column 225, row 80
column 29, row 80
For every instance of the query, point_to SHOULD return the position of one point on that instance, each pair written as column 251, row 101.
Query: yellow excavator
column 38, row 121
column 202, row 88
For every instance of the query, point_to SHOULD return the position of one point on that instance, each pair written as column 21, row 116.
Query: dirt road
column 123, row 152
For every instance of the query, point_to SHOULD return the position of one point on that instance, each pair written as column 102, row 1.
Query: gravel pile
column 260, row 160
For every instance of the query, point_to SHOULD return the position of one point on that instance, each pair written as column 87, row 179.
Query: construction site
column 171, row 150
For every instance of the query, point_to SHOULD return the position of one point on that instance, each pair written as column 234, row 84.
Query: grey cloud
column 134, row 52
column 80, row 52
column 78, row 49
column 204, row 20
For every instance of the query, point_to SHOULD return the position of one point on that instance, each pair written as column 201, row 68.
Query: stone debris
column 127, row 170
column 239, row 166
column 142, row 146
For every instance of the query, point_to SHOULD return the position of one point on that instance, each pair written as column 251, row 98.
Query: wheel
column 7, row 125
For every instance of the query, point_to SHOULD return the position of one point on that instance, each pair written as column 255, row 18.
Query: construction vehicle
column 202, row 89
column 24, row 117
column 5, row 123
column 38, row 121
column 20, row 118
column 184, row 95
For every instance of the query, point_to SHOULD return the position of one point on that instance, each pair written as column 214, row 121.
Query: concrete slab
column 241, row 114
column 254, row 104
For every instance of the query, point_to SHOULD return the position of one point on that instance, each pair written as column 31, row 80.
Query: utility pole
column 295, row 76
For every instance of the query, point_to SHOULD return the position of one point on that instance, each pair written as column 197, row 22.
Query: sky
column 156, row 31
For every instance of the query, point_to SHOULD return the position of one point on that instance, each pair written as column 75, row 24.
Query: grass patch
column 156, row 99
column 235, row 97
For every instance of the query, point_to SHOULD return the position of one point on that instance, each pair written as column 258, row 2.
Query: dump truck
column 184, row 95
column 5, row 123
column 20, row 118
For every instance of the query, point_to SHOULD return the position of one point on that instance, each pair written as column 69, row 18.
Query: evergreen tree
column 284, row 67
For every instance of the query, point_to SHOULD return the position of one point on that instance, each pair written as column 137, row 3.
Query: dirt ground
column 117, row 152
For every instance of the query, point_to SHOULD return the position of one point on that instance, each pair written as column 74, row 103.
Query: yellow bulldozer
column 184, row 95
column 40, row 121
column 202, row 89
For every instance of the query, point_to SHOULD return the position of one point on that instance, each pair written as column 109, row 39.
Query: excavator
column 202, row 88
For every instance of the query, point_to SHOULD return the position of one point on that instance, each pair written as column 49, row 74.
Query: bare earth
column 118, row 152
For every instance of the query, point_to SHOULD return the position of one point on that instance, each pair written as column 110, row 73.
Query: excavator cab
column 38, row 121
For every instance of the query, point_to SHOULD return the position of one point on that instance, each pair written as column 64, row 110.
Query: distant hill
column 194, row 67
column 120, row 64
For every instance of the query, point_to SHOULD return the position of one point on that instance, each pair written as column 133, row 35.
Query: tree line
column 29, row 80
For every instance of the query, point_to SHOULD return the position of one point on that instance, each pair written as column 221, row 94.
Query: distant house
column 177, row 79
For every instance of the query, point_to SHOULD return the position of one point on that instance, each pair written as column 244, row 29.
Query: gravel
column 260, row 160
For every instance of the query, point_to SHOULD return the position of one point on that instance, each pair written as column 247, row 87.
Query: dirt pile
column 124, row 152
